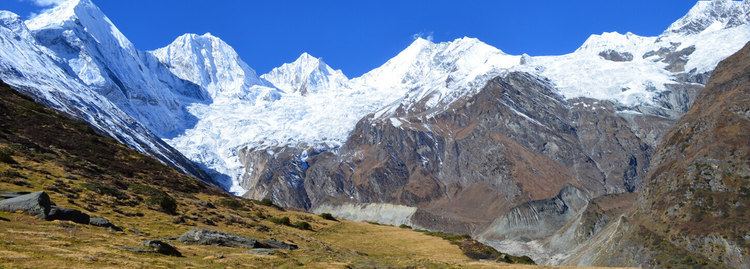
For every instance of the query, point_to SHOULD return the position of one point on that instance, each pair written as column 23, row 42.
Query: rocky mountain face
column 691, row 209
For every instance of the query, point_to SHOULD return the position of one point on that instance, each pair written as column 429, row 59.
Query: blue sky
column 357, row 36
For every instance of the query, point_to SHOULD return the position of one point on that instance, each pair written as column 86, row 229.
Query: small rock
column 66, row 214
column 156, row 246
column 205, row 204
column 271, row 243
column 162, row 248
column 207, row 237
column 36, row 204
column 179, row 220
column 104, row 223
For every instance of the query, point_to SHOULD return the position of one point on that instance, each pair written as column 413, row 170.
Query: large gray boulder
column 208, row 237
column 36, row 204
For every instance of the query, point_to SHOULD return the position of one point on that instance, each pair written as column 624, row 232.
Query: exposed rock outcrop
column 36, row 204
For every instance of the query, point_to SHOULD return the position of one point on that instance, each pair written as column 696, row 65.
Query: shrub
column 302, row 225
column 404, row 226
column 6, row 156
column 281, row 221
column 328, row 216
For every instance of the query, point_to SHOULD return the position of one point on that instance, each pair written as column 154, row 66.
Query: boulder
column 66, row 214
column 104, row 223
column 208, row 237
column 36, row 204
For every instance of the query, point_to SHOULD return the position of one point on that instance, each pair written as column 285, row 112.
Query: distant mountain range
column 535, row 155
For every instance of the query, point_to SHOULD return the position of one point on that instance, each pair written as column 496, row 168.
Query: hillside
column 41, row 150
column 698, row 192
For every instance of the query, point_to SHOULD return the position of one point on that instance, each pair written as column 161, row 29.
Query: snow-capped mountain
column 705, row 14
column 211, row 63
column 437, row 73
column 636, row 72
column 306, row 75
column 90, row 46
column 33, row 70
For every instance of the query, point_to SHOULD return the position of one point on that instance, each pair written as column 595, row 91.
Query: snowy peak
column 208, row 61
column 440, row 72
column 712, row 15
column 305, row 75
column 84, row 12
column 423, row 57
